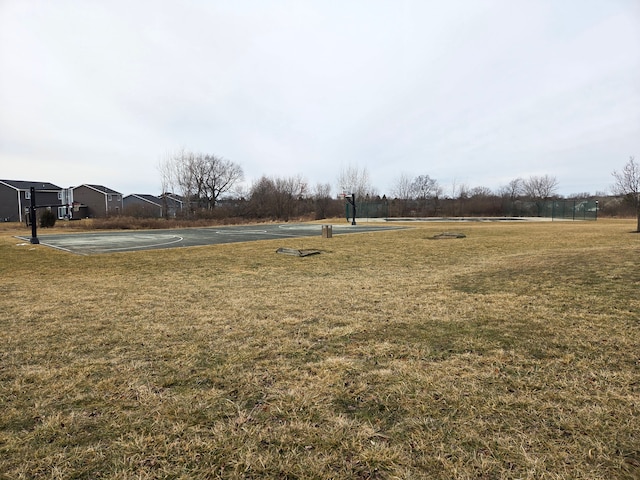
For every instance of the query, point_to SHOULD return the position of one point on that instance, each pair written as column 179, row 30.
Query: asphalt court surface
column 137, row 240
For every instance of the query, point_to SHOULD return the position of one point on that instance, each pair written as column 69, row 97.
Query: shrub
column 47, row 219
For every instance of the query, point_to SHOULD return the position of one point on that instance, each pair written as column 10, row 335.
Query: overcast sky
column 466, row 91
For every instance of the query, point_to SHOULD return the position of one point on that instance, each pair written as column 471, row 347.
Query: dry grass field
column 511, row 353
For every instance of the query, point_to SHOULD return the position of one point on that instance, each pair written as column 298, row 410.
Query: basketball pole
column 34, row 234
column 352, row 201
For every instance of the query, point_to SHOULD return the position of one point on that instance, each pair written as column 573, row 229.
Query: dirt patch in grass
column 511, row 354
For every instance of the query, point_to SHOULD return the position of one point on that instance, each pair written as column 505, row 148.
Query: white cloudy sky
column 467, row 91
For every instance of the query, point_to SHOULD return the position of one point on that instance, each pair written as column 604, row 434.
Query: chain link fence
column 560, row 209
column 554, row 209
column 367, row 210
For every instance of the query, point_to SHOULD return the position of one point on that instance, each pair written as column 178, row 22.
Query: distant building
column 15, row 198
column 142, row 205
column 174, row 203
column 99, row 200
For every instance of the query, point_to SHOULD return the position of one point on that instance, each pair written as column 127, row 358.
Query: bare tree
column 513, row 189
column 261, row 197
column 199, row 171
column 277, row 197
column 200, row 178
column 427, row 191
column 402, row 187
column 356, row 179
column 464, row 192
column 287, row 193
column 627, row 184
column 424, row 187
column 579, row 195
column 510, row 193
column 184, row 171
column 166, row 182
column 483, row 202
column 540, row 189
column 322, row 199
column 221, row 175
column 480, row 192
column 457, row 195
column 402, row 190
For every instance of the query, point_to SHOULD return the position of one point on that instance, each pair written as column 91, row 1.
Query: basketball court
column 136, row 240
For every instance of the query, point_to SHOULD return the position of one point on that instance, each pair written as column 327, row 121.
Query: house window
column 60, row 195
column 27, row 194
column 110, row 197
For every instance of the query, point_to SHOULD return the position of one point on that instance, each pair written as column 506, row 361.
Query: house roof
column 147, row 198
column 26, row 185
column 98, row 188
column 173, row 197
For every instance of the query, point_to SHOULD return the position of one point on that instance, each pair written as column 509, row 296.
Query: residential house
column 141, row 205
column 173, row 203
column 99, row 200
column 71, row 210
column 15, row 198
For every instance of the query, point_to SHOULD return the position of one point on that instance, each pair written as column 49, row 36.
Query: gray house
column 99, row 200
column 173, row 203
column 141, row 205
column 15, row 198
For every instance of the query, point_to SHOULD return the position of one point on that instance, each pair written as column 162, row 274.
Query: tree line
column 213, row 187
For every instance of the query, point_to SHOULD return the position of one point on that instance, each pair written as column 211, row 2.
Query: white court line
column 81, row 249
column 179, row 239
column 300, row 227
column 50, row 245
column 317, row 227
column 240, row 232
column 258, row 232
column 60, row 248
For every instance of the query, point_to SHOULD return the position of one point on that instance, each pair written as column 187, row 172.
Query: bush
column 47, row 219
